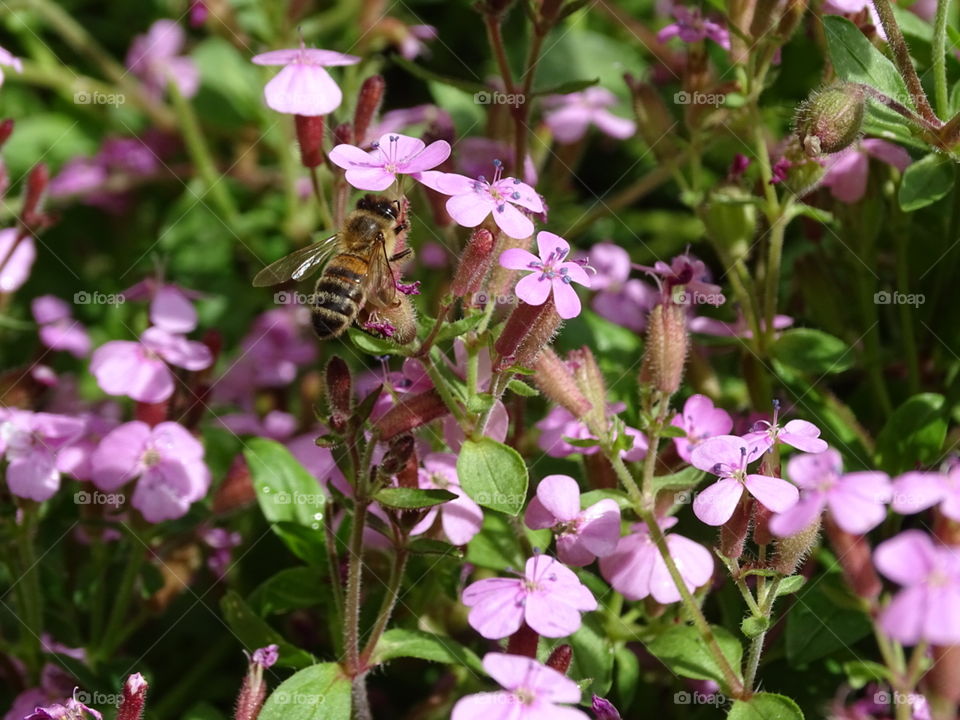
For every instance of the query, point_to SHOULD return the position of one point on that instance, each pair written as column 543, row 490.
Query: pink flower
column 221, row 541
column 739, row 328
column 168, row 461
column 392, row 155
column 857, row 500
column 139, row 369
column 619, row 299
column 30, row 442
column 582, row 535
column 413, row 44
column 531, row 691
column 154, row 58
column 560, row 425
column 727, row 456
column 699, row 420
column 460, row 518
column 687, row 273
column 550, row 272
column 636, row 569
column 800, row 434
column 928, row 607
column 7, row 59
column 548, row 597
column 171, row 306
column 472, row 201
column 72, row 710
column 571, row 115
column 846, row 171
column 276, row 424
column 915, row 491
column 58, row 330
column 16, row 268
column 692, row 26
column 303, row 87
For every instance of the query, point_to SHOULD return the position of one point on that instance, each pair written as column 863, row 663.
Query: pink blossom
column 569, row 116
column 74, row 459
column 927, row 608
column 918, row 490
column 739, row 328
column 16, row 264
column 548, row 597
column 692, row 26
column 559, row 425
column 139, row 369
column 727, row 456
column 686, row 272
column 413, row 44
column 531, row 691
column 276, row 424
column 392, row 155
column 846, row 171
column 303, row 87
column 171, row 306
column 636, row 569
column 72, row 710
column 168, row 461
column 155, row 59
column 460, row 518
column 800, row 434
column 30, row 443
column 8, row 59
column 619, row 298
column 582, row 535
column 58, row 330
column 857, row 500
column 700, row 420
column 472, row 201
column 549, row 272
column 221, row 541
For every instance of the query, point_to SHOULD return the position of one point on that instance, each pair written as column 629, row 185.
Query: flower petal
column 533, row 289
column 800, row 516
column 773, row 493
column 566, row 299
column 715, row 504
column 916, row 491
column 303, row 90
column 513, row 222
column 518, row 259
column 496, row 606
column 469, row 209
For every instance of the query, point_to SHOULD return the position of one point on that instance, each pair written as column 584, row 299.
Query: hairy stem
column 351, row 625
column 389, row 601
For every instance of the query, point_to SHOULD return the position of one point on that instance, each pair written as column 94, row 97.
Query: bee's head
column 380, row 205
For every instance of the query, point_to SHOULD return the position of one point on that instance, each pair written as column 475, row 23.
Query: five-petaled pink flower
column 927, row 609
column 531, row 691
column 549, row 272
column 472, row 201
column 918, row 490
column 727, row 456
column 569, row 116
column 582, row 535
column 303, row 87
column 30, row 443
column 460, row 518
column 139, row 369
column 699, row 420
column 549, row 597
column 636, row 569
column 857, row 500
column 154, row 58
column 394, row 154
column 167, row 459
column 691, row 26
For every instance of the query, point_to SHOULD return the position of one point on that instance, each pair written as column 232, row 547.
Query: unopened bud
column 399, row 452
column 412, row 412
column 945, row 529
column 560, row 658
column 6, row 130
column 399, row 321
column 339, row 392
column 254, row 690
column 134, row 698
column 310, row 138
column 523, row 642
column 604, row 710
column 236, row 490
column 152, row 413
column 943, row 677
column 475, row 262
column 409, row 475
column 733, row 534
column 368, row 105
column 666, row 350
column 761, row 520
column 503, row 280
column 853, row 554
column 831, row 119
column 36, row 185
column 527, row 331
column 556, row 380
column 343, row 134
column 591, row 382
column 793, row 550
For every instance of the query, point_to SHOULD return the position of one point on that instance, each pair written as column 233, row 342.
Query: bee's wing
column 298, row 264
column 380, row 286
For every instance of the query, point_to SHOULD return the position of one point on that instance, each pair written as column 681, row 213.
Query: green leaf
column 565, row 88
column 254, row 632
column 307, row 543
column 493, row 475
column 855, row 59
column 592, row 656
column 753, row 626
column 319, row 692
column 812, row 351
column 626, row 676
column 861, row 672
column 459, row 327
column 521, row 388
column 290, row 589
column 412, row 498
column 372, row 345
column 400, row 642
column 765, row 706
column 790, row 585
column 285, row 490
column 592, row 497
column 817, row 626
column 683, row 480
column 431, row 76
column 429, row 546
column 682, row 650
column 913, row 435
column 480, row 403
column 672, row 431
column 926, row 181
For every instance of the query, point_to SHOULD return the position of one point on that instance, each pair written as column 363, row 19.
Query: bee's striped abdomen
column 338, row 295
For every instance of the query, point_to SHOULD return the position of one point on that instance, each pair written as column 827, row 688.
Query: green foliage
column 318, row 692
column 493, row 475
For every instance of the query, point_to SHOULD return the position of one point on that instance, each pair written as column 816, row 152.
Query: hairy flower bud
column 733, row 534
column 943, row 677
column 236, row 490
column 555, row 379
column 654, row 120
column 134, row 698
column 37, row 182
column 310, row 139
column 339, row 392
column 590, row 380
column 475, row 262
column 793, row 550
column 528, row 330
column 560, row 658
column 761, row 519
column 399, row 452
column 412, row 412
column 666, row 350
column 523, row 642
column 399, row 321
column 343, row 134
column 152, row 413
column 831, row 119
column 368, row 105
column 853, row 554
column 254, row 690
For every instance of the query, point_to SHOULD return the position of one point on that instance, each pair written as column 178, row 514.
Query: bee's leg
column 401, row 227
column 405, row 253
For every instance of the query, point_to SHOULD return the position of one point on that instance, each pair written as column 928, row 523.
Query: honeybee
column 359, row 283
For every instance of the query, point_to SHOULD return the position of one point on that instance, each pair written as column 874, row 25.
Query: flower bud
column 666, row 350
column 339, row 392
column 604, row 710
column 36, row 185
column 152, row 413
column 475, row 262
column 236, row 490
column 368, row 105
column 398, row 322
column 343, row 134
column 503, row 280
column 560, row 658
column 831, row 119
column 555, row 379
column 134, row 698
column 793, row 550
column 254, row 690
column 399, row 452
column 733, row 534
column 529, row 328
column 412, row 412
column 523, row 642
column 6, row 130
column 943, row 677
column 590, row 380
column 761, row 520
column 310, row 138
column 945, row 529
column 853, row 554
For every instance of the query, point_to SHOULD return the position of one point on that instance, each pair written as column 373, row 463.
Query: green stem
column 772, row 279
column 325, row 215
column 121, row 605
column 443, row 389
column 351, row 625
column 333, row 563
column 28, row 586
column 906, row 313
column 389, row 602
column 756, row 645
column 940, row 93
